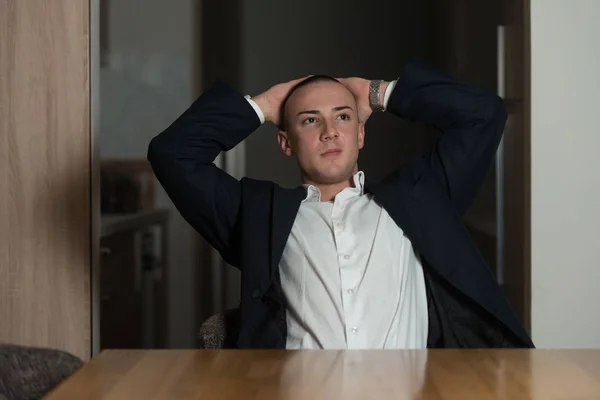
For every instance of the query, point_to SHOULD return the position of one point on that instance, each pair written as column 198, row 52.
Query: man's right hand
column 270, row 100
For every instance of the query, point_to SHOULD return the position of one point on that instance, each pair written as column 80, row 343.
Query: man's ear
column 284, row 143
column 361, row 135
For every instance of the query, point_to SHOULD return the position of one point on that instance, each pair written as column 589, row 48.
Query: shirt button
column 350, row 291
column 346, row 256
column 340, row 225
column 354, row 329
column 255, row 294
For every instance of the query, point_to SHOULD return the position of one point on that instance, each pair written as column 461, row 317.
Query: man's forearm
column 471, row 120
column 218, row 120
column 182, row 158
column 426, row 95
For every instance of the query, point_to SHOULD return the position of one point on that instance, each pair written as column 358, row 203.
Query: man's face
column 323, row 132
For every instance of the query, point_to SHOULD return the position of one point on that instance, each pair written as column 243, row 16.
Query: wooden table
column 273, row 374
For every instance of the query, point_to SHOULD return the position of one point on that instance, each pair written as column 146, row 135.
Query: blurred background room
column 93, row 254
column 159, row 280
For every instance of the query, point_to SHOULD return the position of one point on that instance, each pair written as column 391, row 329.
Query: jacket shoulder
column 251, row 185
column 404, row 178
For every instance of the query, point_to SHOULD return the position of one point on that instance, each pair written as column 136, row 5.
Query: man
column 340, row 262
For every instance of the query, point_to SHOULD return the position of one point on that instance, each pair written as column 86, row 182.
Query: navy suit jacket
column 248, row 221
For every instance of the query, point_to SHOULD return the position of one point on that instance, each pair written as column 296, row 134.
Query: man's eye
column 310, row 120
column 344, row 117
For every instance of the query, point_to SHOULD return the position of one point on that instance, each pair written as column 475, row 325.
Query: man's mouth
column 331, row 153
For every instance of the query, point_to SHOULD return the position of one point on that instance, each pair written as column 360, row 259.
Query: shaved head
column 306, row 82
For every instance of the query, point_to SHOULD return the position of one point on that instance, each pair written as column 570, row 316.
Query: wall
column 147, row 83
column 565, row 194
column 45, row 174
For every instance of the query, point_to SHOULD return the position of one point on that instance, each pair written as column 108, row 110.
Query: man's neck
column 329, row 191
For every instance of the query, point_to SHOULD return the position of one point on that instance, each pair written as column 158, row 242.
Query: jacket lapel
column 286, row 203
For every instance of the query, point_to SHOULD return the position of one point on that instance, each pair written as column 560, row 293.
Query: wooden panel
column 517, row 155
column 129, row 253
column 45, row 174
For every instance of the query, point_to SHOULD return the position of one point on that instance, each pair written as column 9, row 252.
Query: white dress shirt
column 350, row 277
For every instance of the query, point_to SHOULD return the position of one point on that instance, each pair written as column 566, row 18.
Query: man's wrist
column 382, row 88
column 257, row 109
column 378, row 94
column 387, row 93
column 262, row 102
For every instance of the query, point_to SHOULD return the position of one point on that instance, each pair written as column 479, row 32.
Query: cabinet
column 133, row 287
column 120, row 293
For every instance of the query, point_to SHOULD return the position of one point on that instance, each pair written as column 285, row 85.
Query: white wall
column 146, row 85
column 565, row 181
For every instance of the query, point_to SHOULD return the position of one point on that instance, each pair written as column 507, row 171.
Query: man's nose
column 329, row 131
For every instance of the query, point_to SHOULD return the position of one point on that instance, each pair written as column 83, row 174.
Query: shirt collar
column 313, row 194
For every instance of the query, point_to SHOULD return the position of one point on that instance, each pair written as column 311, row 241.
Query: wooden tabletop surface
column 274, row 374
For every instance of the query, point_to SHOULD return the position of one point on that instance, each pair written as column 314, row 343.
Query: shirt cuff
column 257, row 109
column 388, row 93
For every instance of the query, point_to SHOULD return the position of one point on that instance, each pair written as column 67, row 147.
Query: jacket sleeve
column 182, row 159
column 471, row 120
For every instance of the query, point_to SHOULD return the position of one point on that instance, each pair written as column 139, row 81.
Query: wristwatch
column 374, row 97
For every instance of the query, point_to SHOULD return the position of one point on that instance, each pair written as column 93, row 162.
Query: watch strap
column 374, row 96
